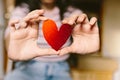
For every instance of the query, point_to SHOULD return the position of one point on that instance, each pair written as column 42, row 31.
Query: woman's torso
column 20, row 12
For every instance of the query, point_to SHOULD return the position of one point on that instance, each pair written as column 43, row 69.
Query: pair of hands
column 23, row 39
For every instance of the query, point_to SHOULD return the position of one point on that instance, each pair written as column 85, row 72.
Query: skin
column 28, row 26
column 22, row 42
column 85, row 35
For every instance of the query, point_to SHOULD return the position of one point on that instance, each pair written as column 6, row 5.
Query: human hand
column 23, row 37
column 85, row 35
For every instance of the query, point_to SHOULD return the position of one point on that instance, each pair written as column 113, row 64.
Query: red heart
column 56, row 39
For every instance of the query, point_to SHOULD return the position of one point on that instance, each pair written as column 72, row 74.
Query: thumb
column 64, row 51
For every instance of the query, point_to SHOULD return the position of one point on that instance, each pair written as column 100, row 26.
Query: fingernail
column 45, row 18
column 17, row 26
column 71, row 22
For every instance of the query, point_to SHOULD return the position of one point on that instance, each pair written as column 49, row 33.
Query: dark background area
column 90, row 7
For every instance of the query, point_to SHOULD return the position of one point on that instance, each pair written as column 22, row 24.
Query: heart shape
column 56, row 38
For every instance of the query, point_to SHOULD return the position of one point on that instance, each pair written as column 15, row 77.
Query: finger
column 33, row 14
column 30, row 17
column 72, row 19
column 93, row 20
column 35, row 26
column 38, row 19
column 36, row 22
column 95, row 27
column 43, row 51
column 12, row 24
column 64, row 51
column 82, row 19
column 93, row 23
column 49, row 51
column 22, row 24
column 65, row 21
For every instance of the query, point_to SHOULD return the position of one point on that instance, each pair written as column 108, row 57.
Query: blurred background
column 102, row 65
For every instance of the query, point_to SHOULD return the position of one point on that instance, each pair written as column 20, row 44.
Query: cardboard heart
column 56, row 38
